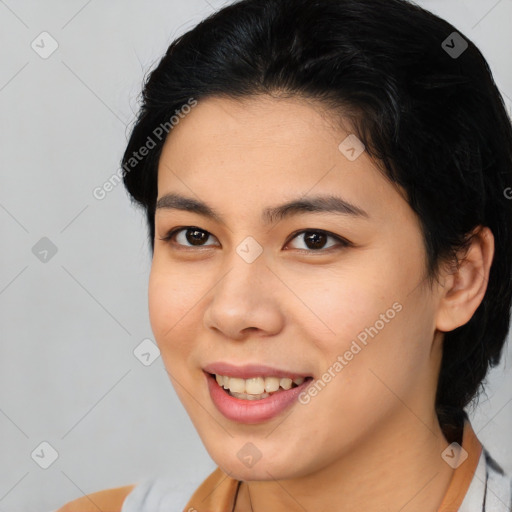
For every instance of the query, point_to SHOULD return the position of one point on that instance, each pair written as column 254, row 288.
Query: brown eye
column 196, row 236
column 315, row 240
column 188, row 236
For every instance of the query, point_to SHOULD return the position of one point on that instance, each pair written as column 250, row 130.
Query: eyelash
column 341, row 241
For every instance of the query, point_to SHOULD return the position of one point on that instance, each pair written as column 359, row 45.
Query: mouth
column 256, row 388
column 255, row 399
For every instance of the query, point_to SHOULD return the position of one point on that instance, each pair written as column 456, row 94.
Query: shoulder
column 108, row 500
column 161, row 493
column 155, row 493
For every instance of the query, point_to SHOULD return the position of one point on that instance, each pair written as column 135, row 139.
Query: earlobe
column 464, row 288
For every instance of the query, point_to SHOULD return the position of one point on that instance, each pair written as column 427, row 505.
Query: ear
column 463, row 288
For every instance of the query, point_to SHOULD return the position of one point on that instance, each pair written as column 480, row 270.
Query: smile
column 256, row 388
column 252, row 394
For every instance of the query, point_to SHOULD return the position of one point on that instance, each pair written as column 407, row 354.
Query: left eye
column 314, row 240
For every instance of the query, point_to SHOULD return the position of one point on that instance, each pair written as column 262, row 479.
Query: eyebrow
column 318, row 204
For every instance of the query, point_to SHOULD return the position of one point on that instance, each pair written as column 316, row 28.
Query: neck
column 398, row 467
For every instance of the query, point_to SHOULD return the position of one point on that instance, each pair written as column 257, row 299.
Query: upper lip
column 247, row 371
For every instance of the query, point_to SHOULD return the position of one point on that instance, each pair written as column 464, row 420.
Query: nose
column 246, row 299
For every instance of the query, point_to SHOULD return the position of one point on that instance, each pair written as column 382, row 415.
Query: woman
column 325, row 188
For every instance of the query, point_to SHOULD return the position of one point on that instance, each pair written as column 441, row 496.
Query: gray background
column 69, row 324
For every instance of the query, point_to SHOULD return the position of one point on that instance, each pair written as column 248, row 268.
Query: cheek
column 171, row 300
column 371, row 318
column 335, row 307
column 381, row 351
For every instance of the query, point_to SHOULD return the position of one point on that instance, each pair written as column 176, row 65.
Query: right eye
column 192, row 234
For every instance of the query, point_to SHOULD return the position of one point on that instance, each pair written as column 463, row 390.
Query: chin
column 256, row 460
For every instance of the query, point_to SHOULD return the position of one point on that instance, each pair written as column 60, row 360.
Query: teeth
column 245, row 396
column 271, row 384
column 236, row 385
column 256, row 387
column 286, row 383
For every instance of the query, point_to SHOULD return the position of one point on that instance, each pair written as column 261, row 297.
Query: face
column 335, row 299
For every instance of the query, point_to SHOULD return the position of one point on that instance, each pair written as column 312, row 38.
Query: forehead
column 256, row 126
column 244, row 150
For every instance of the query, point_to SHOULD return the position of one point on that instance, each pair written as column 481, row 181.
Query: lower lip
column 252, row 411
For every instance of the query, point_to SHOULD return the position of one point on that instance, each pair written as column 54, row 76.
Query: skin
column 298, row 308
